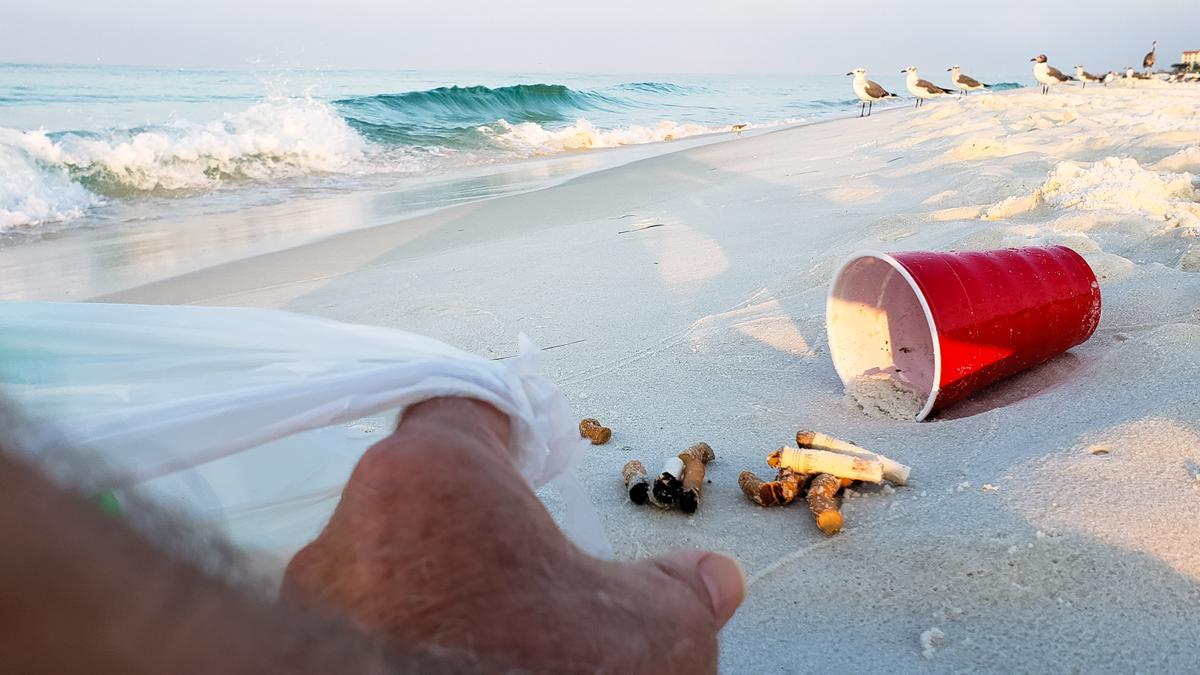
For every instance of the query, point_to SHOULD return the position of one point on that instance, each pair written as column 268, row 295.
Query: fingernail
column 725, row 582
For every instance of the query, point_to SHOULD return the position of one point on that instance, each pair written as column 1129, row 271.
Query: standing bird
column 1148, row 60
column 1109, row 77
column 962, row 82
column 922, row 89
column 1047, row 74
column 867, row 91
column 1085, row 77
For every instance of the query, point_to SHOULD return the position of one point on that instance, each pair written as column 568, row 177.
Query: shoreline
column 229, row 235
column 420, row 217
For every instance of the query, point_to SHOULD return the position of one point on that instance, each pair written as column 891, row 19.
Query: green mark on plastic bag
column 108, row 503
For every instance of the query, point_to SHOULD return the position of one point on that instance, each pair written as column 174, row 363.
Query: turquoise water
column 101, row 145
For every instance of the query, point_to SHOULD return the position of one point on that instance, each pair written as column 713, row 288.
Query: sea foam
column 32, row 194
column 50, row 178
column 530, row 138
column 269, row 140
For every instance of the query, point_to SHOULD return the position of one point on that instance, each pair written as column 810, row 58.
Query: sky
column 614, row 36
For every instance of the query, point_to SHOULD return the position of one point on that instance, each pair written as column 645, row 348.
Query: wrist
column 455, row 421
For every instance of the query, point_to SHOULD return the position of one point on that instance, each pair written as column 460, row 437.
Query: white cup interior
column 881, row 331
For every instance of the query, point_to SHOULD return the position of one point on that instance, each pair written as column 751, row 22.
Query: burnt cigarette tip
column 689, row 501
column 666, row 491
column 804, row 439
column 640, row 493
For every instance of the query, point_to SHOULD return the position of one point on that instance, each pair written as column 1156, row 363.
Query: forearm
column 80, row 591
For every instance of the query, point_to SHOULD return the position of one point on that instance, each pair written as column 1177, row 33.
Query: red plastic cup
column 945, row 325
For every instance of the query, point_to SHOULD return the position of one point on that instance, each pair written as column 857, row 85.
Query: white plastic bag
column 243, row 415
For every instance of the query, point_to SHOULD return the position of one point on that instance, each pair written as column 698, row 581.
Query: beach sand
column 1051, row 522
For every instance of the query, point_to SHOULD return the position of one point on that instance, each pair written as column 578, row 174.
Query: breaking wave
column 49, row 177
column 458, row 106
column 31, row 194
column 54, row 177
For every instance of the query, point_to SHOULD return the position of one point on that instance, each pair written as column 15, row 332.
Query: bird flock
column 868, row 91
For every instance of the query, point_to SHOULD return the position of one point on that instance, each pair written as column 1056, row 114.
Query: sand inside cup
column 885, row 396
column 881, row 338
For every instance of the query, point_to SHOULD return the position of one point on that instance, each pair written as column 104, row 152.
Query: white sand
column 886, row 396
column 711, row 327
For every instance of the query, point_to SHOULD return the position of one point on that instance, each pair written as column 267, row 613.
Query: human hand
column 439, row 540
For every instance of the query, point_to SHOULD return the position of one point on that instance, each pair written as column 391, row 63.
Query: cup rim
column 935, row 388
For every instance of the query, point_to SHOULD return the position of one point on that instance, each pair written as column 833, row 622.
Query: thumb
column 717, row 579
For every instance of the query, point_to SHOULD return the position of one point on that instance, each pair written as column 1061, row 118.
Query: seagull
column 1148, row 60
column 1047, row 74
column 963, row 82
column 867, row 91
column 1109, row 77
column 922, row 89
column 1085, row 77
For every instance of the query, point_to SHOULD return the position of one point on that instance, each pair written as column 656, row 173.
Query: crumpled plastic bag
column 252, row 419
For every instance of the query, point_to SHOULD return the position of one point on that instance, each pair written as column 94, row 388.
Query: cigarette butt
column 701, row 451
column 822, row 501
column 823, row 461
column 895, row 472
column 591, row 429
column 692, row 478
column 788, row 485
column 668, row 485
column 693, row 483
column 636, row 482
column 755, row 489
column 782, row 491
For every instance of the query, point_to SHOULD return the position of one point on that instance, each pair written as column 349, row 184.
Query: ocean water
column 97, row 146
